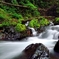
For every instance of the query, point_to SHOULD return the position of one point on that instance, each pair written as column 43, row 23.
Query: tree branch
column 13, row 4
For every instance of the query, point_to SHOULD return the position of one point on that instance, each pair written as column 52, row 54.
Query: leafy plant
column 14, row 1
column 34, row 23
column 43, row 22
column 17, row 16
column 36, row 13
column 6, row 23
column 31, row 6
column 20, row 27
column 4, row 15
column 57, row 19
column 1, row 25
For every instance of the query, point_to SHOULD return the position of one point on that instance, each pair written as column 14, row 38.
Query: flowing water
column 9, row 50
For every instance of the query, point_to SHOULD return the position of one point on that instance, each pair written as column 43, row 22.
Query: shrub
column 17, row 16
column 31, row 6
column 34, row 23
column 13, row 23
column 44, row 22
column 36, row 13
column 57, row 19
column 20, row 27
column 4, row 15
column 6, row 23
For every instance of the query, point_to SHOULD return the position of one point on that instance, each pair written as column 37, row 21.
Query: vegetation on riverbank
column 13, row 12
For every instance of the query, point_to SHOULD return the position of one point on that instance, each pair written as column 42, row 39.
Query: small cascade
column 51, row 23
column 48, row 34
column 51, row 32
column 34, row 32
column 27, row 23
column 56, row 35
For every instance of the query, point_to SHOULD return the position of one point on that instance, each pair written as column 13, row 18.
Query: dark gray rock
column 56, row 48
column 35, row 51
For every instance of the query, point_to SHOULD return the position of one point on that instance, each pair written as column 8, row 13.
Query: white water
column 9, row 50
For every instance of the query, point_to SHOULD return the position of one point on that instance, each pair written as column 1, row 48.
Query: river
column 11, row 49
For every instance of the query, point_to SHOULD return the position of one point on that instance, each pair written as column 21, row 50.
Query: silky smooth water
column 10, row 50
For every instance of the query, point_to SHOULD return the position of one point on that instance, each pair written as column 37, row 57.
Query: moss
column 57, row 19
column 20, row 27
column 4, row 15
column 34, row 23
column 44, row 21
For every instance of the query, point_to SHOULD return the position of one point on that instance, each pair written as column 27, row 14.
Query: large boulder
column 35, row 51
column 56, row 48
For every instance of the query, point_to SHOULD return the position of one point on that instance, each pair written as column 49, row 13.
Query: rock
column 56, row 48
column 29, row 32
column 35, row 51
column 40, row 30
column 2, row 36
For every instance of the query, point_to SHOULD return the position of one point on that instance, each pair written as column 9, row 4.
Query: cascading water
column 9, row 50
column 33, row 31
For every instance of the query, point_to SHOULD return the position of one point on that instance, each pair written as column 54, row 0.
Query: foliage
column 43, row 4
column 14, row 1
column 43, row 22
column 1, row 25
column 4, row 15
column 57, row 19
column 13, row 22
column 6, row 23
column 20, row 27
column 31, row 6
column 34, row 23
column 17, row 16
column 57, row 9
column 36, row 13
column 8, row 13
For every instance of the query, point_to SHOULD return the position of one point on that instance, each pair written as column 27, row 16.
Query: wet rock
column 40, row 30
column 2, row 36
column 12, row 35
column 29, row 32
column 56, row 48
column 35, row 51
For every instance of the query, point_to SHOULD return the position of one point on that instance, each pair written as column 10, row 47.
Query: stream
column 11, row 49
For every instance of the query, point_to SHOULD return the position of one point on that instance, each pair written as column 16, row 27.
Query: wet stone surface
column 40, row 53
column 56, row 48
column 35, row 51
